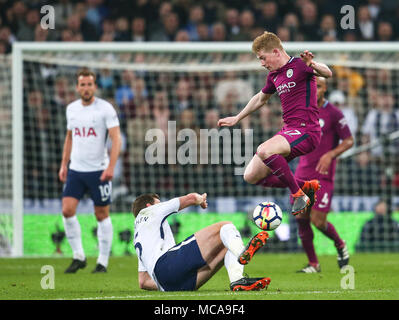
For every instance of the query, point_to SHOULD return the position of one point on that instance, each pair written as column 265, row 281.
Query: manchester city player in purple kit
column 293, row 79
column 320, row 164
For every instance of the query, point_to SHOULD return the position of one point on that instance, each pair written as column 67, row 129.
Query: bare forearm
column 346, row 144
column 321, row 69
column 115, row 151
column 254, row 104
column 66, row 153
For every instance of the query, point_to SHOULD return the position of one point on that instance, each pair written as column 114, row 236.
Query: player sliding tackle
column 165, row 266
column 294, row 80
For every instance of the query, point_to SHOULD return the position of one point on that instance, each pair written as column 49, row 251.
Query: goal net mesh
column 162, row 94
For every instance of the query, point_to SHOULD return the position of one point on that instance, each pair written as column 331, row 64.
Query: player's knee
column 68, row 212
column 249, row 177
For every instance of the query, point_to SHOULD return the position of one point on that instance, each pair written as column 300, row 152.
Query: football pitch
column 375, row 277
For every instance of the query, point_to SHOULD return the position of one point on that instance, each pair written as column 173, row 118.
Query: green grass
column 376, row 277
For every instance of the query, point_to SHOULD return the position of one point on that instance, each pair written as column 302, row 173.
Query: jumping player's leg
column 270, row 158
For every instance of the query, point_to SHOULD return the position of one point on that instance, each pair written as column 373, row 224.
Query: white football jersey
column 89, row 126
column 153, row 235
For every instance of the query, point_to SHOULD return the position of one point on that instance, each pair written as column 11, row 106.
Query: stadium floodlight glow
column 376, row 55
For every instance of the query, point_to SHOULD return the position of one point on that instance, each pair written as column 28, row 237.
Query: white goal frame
column 20, row 48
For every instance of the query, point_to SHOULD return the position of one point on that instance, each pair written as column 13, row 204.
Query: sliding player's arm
column 319, row 69
column 257, row 101
column 66, row 155
column 325, row 161
column 193, row 199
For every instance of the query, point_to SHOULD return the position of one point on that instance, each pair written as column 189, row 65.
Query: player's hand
column 228, row 122
column 62, row 174
column 107, row 174
column 307, row 57
column 200, row 199
column 324, row 164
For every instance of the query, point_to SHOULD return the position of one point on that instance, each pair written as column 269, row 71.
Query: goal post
column 169, row 60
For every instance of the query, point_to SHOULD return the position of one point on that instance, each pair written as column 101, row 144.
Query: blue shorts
column 176, row 269
column 78, row 183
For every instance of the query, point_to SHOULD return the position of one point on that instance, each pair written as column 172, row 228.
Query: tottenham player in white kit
column 90, row 120
column 166, row 266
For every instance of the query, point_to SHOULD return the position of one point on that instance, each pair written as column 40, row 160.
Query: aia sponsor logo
column 85, row 132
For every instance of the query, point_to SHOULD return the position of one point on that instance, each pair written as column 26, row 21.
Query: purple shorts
column 324, row 196
column 302, row 141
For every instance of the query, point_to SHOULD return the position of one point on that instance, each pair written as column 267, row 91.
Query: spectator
column 269, row 18
column 80, row 26
column 183, row 98
column 62, row 10
column 218, row 32
column 232, row 23
column 337, row 98
column 291, row 21
column 139, row 32
column 365, row 24
column 108, row 30
column 385, row 31
column 7, row 38
column 247, row 22
column 168, row 31
column 122, row 32
column 203, row 32
column 381, row 233
column 196, row 16
column 96, row 13
column 309, row 23
column 231, row 84
column 136, row 129
column 161, row 111
column 211, row 119
column 380, row 120
column 328, row 28
column 182, row 36
column 374, row 7
column 26, row 29
column 283, row 33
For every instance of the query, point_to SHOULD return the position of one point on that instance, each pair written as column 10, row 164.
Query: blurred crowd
column 189, row 20
column 367, row 97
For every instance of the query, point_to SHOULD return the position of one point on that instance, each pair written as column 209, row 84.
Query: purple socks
column 282, row 175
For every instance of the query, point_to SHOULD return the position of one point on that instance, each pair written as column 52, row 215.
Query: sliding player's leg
column 221, row 243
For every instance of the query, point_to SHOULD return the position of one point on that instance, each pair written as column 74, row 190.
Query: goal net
column 169, row 98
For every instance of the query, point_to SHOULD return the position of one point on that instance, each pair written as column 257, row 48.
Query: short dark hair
column 85, row 72
column 141, row 202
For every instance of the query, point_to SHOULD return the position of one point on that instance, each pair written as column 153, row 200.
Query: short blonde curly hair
column 267, row 42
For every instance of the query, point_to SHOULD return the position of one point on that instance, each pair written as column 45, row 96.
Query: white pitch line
column 266, row 293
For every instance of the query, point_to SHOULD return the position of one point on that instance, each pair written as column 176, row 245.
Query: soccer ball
column 267, row 216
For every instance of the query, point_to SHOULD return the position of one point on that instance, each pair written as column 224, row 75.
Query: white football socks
column 73, row 234
column 231, row 239
column 104, row 235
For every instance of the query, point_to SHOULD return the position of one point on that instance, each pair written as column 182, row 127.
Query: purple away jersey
column 295, row 84
column 333, row 128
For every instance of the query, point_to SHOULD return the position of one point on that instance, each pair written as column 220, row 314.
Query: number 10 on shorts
column 105, row 191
